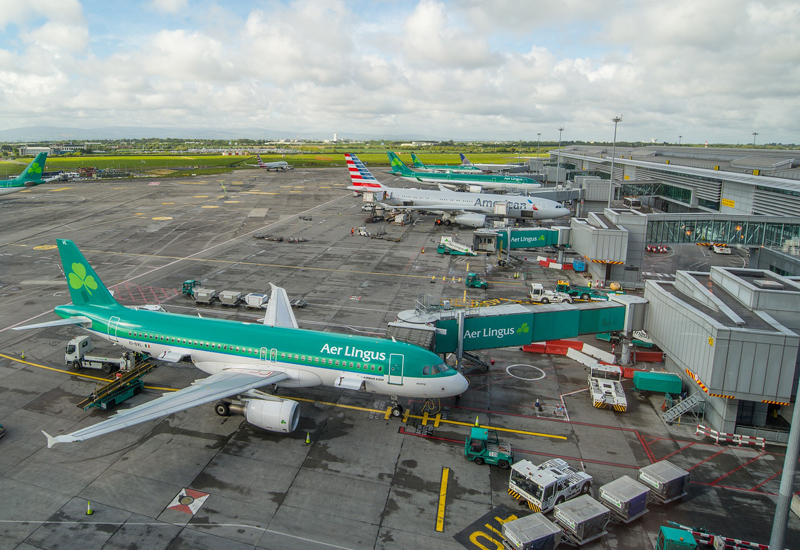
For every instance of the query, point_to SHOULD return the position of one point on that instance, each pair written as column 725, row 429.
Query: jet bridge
column 460, row 330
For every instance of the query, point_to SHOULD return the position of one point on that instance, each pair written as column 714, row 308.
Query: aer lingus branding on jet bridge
column 488, row 332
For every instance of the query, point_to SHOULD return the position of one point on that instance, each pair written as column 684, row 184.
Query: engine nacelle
column 475, row 189
column 275, row 416
column 471, row 220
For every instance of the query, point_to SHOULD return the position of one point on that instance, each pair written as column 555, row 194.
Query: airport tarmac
column 364, row 481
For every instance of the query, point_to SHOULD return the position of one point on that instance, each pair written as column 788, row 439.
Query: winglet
column 50, row 439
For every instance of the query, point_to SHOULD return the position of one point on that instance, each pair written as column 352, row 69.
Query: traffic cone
column 476, row 422
column 23, row 356
column 89, row 510
column 433, row 279
column 308, row 438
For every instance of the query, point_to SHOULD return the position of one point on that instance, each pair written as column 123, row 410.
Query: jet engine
column 471, row 220
column 275, row 416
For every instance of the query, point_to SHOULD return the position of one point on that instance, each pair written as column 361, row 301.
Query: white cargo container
column 256, row 300
column 666, row 481
column 583, row 519
column 626, row 498
column 230, row 297
column 534, row 532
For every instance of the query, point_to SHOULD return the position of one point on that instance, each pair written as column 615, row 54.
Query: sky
column 684, row 70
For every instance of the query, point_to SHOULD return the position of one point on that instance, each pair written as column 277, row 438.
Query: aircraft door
column 396, row 369
column 113, row 324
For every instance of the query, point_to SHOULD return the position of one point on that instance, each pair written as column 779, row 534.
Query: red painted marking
column 738, row 468
column 707, row 459
column 676, row 452
column 768, row 479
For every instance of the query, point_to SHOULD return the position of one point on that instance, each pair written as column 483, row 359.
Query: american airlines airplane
column 469, row 209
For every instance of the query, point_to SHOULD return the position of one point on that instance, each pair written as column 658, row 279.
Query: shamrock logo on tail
column 34, row 168
column 78, row 279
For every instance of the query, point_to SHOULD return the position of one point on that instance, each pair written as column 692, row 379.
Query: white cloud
column 472, row 69
column 173, row 7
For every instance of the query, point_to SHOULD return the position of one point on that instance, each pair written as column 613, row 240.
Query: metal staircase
column 688, row 405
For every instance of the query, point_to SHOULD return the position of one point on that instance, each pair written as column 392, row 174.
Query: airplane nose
column 461, row 384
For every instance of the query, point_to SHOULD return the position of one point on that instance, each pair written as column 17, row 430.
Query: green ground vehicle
column 483, row 447
column 474, row 281
column 581, row 292
column 188, row 287
column 670, row 538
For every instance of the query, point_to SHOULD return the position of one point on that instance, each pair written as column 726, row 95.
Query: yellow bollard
column 89, row 510
column 433, row 278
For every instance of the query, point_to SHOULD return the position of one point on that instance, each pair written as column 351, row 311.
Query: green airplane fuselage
column 311, row 357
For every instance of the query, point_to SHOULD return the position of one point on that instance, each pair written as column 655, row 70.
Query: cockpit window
column 428, row 370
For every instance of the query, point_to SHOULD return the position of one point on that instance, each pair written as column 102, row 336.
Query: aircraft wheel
column 479, row 461
column 397, row 411
column 447, row 222
column 222, row 408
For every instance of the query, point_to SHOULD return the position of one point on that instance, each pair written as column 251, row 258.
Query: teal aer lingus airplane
column 457, row 168
column 474, row 183
column 30, row 177
column 241, row 357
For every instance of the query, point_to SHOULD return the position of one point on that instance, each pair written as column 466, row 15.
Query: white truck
column 605, row 386
column 76, row 357
column 544, row 296
column 547, row 484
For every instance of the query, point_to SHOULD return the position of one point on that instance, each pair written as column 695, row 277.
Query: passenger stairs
column 687, row 405
column 127, row 384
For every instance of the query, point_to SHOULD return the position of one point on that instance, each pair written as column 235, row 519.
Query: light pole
column 558, row 165
column 616, row 120
column 679, row 140
column 538, row 137
column 754, row 139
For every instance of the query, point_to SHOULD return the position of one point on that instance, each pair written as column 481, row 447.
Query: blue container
column 579, row 265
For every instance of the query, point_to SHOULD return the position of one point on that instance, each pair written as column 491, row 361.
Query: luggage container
column 626, row 498
column 534, row 532
column 204, row 295
column 256, row 300
column 230, row 297
column 651, row 381
column 666, row 481
column 582, row 519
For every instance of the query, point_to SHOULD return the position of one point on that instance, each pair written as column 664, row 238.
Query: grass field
column 181, row 165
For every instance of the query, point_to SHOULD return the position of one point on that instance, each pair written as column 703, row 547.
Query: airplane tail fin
column 85, row 287
column 464, row 160
column 362, row 178
column 398, row 166
column 417, row 163
column 32, row 175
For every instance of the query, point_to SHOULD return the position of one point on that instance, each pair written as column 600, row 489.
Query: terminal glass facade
column 696, row 228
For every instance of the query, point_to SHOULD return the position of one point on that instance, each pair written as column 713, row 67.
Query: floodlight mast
column 616, row 120
column 558, row 163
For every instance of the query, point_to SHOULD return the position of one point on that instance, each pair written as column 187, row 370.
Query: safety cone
column 308, row 438
column 89, row 510
column 476, row 422
column 433, row 279
column 23, row 355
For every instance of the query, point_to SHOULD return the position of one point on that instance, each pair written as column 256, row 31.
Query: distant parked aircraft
column 474, row 183
column 454, row 168
column 30, row 177
column 276, row 165
column 468, row 209
column 487, row 167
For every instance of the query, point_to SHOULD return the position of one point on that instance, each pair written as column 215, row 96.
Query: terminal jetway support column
column 460, row 316
column 778, row 535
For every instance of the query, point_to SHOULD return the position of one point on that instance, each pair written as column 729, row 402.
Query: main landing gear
column 397, row 408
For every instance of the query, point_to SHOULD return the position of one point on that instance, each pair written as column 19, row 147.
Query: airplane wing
column 279, row 310
column 80, row 320
column 217, row 386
